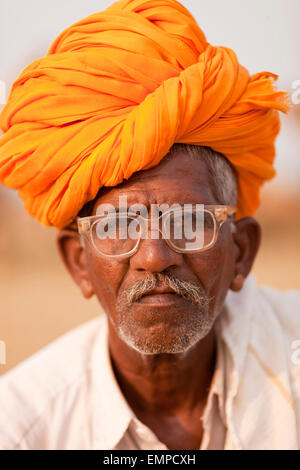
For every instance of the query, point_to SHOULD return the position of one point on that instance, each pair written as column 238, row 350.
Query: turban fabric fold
column 115, row 91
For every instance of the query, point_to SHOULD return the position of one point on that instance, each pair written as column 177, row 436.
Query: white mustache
column 188, row 290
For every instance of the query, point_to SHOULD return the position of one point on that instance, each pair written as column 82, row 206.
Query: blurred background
column 39, row 300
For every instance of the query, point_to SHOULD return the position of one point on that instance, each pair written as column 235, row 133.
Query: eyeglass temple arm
column 222, row 212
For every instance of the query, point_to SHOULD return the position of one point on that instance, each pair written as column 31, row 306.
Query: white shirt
column 66, row 395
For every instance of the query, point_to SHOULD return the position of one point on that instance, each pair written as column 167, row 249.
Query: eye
column 105, row 227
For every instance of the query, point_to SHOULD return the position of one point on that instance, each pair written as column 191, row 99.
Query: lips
column 160, row 296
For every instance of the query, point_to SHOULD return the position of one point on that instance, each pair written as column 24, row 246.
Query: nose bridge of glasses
column 151, row 226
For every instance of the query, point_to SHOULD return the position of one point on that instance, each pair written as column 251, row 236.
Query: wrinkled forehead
column 178, row 178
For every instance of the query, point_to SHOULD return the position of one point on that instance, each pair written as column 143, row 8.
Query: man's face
column 139, row 293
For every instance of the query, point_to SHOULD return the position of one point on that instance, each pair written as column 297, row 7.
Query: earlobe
column 86, row 288
column 237, row 282
column 247, row 239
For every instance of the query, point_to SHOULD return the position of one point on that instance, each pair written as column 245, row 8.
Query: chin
column 163, row 338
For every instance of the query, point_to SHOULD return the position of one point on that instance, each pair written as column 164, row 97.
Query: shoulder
column 266, row 321
column 55, row 372
column 285, row 306
column 264, row 329
column 276, row 335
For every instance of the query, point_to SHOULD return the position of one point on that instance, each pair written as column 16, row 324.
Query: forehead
column 177, row 179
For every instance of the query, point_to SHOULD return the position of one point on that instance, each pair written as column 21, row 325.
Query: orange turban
column 113, row 94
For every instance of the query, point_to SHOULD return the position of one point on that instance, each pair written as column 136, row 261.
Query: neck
column 164, row 383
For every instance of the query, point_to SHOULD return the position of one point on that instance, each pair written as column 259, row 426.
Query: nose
column 155, row 255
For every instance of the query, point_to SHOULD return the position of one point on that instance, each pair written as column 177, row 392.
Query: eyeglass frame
column 219, row 213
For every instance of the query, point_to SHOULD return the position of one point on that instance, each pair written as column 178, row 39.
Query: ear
column 74, row 258
column 247, row 239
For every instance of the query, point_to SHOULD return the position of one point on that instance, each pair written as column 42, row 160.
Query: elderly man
column 146, row 148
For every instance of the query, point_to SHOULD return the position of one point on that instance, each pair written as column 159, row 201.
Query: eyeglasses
column 192, row 230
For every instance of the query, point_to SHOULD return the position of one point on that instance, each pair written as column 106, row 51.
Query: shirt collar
column 111, row 412
column 233, row 324
column 216, row 388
